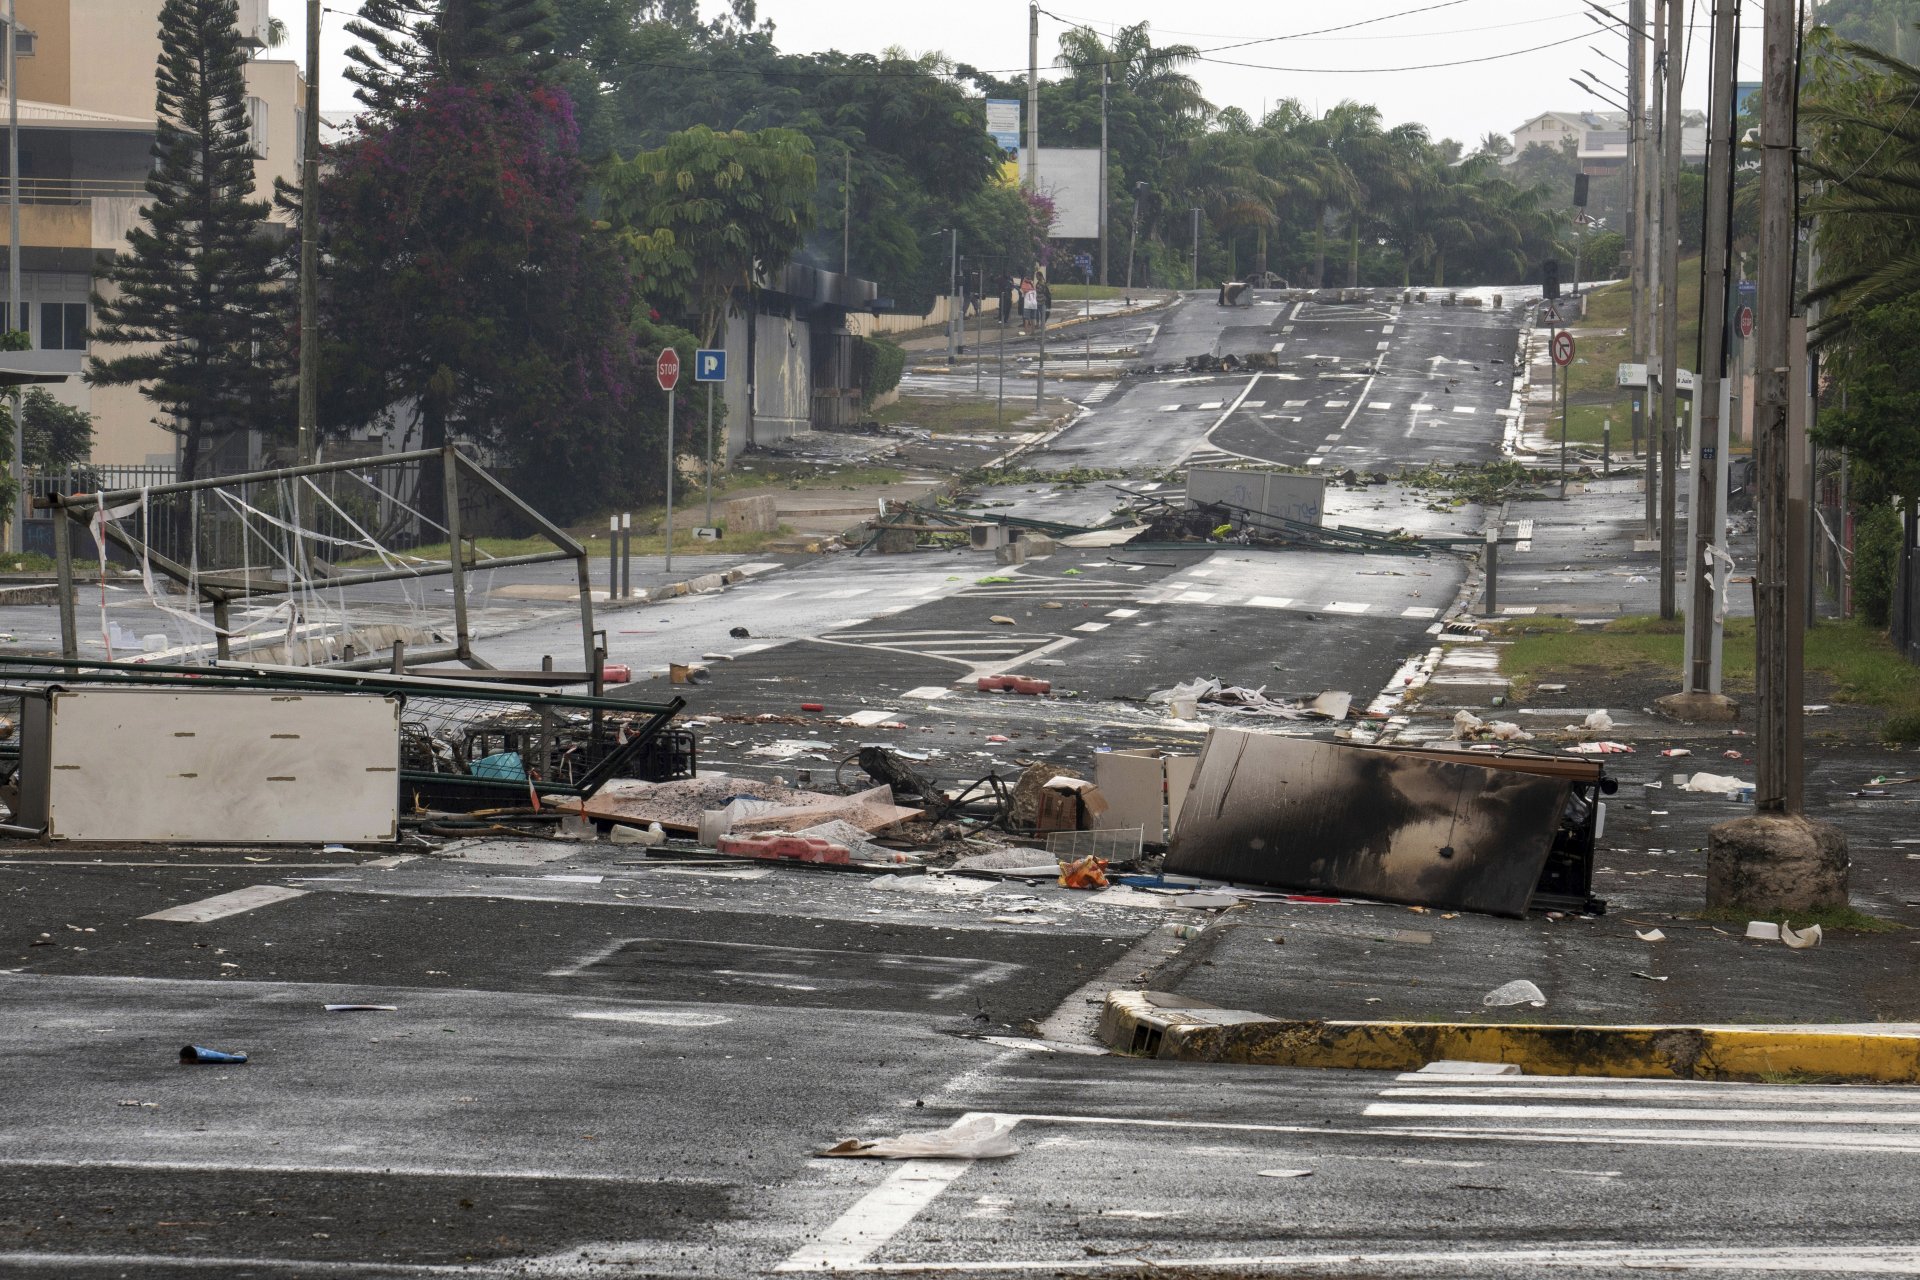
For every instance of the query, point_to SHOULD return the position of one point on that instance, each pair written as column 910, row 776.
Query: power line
column 1303, row 35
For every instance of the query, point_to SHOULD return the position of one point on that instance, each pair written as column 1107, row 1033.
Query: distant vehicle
column 1236, row 293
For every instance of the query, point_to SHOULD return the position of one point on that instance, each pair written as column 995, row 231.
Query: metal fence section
column 1904, row 618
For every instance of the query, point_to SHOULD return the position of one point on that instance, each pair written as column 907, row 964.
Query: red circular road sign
column 1746, row 322
column 667, row 371
column 1563, row 348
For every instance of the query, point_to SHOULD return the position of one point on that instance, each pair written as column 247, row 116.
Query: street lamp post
column 1133, row 237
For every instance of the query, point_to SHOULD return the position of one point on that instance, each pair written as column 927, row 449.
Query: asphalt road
column 597, row 1065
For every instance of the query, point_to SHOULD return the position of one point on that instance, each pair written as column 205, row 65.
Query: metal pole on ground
column 626, row 554
column 709, row 455
column 613, row 557
column 309, row 434
column 669, row 479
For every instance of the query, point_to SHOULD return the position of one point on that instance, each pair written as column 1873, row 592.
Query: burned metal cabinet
column 1455, row 829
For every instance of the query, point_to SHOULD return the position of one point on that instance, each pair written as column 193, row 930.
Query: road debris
column 1650, row 935
column 1802, row 939
column 974, row 1138
column 1519, row 991
column 200, row 1054
column 1084, row 873
column 1716, row 784
column 1455, row 829
column 362, row 1008
column 1286, row 1173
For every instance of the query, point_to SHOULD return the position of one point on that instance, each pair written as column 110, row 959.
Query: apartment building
column 86, row 108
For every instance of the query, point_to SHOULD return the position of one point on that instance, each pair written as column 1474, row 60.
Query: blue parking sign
column 709, row 366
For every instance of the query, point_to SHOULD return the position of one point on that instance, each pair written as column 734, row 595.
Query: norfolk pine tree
column 194, row 289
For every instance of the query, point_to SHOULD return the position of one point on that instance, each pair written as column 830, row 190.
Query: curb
column 667, row 591
column 1151, row 1024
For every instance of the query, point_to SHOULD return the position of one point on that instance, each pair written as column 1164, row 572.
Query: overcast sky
column 1464, row 101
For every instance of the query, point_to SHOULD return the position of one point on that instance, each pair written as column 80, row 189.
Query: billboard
column 1071, row 178
column 1003, row 122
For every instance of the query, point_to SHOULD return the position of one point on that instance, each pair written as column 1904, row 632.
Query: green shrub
column 878, row 364
column 1902, row 727
column 1876, row 559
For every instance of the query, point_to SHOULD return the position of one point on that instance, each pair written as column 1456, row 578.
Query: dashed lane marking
column 251, row 898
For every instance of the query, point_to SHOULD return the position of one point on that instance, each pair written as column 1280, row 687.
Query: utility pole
column 309, row 434
column 955, row 312
column 1033, row 182
column 13, row 277
column 1699, row 699
column 1776, row 861
column 1670, row 309
column 1778, row 716
column 1196, row 246
column 1636, row 173
column 1651, row 171
column 846, row 213
column 1105, row 76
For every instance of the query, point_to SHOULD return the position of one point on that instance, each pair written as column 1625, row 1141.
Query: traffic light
column 1579, row 190
column 1550, row 279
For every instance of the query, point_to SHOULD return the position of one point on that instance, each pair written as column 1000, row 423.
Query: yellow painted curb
column 1147, row 1024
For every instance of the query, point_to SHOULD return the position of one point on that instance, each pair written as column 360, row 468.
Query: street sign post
column 709, row 366
column 1562, row 349
column 666, row 371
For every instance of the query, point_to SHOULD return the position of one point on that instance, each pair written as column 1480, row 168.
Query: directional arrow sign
column 709, row 365
column 1563, row 348
column 667, row 371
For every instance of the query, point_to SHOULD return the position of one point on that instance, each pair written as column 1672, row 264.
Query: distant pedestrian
column 1009, row 298
column 1045, row 292
column 1029, row 306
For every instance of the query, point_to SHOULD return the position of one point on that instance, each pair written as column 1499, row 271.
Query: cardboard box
column 1143, row 789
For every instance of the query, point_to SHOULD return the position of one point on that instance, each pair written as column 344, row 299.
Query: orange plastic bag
column 1085, row 873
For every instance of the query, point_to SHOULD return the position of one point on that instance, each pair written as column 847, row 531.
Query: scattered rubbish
column 1676, row 752
column 1144, row 789
column 1010, row 864
column 813, row 706
column 867, row 719
column 1599, row 722
column 782, row 847
column 1012, row 684
column 1870, row 791
column 864, row 851
column 1286, row 1173
column 1733, row 755
column 1110, row 844
column 1717, row 784
column 1600, row 749
column 1550, row 688
column 201, row 1054
column 1331, row 704
column 1650, row 935
column 1084, row 873
column 1800, row 941
column 1650, row 977
column 363, row 1008
column 335, row 848
column 1454, row 829
column 652, row 835
column 1186, row 932
column 1000, row 619
column 740, row 633
column 1519, row 991
column 974, row 1138
column 934, row 885
column 997, row 738
column 1467, row 727
column 1765, row 930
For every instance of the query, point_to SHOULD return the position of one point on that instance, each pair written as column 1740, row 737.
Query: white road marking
column 1464, row 408
column 1093, row 626
column 1336, row 404
column 1423, row 408
column 1386, row 328
column 1122, row 613
column 1270, row 602
column 250, row 898
column 1214, row 404
column 1278, row 347
column 1169, row 408
column 877, row 1217
column 1315, row 461
column 211, row 1264
column 1520, row 610
column 1194, row 597
column 1419, row 613
column 927, row 691
column 1606, row 1089
column 1253, row 404
column 1379, row 404
column 1381, row 346
column 1803, row 1259
column 1293, row 404
column 1723, row 1115
column 1325, row 448
column 1344, row 606
column 846, row 593
column 654, row 1017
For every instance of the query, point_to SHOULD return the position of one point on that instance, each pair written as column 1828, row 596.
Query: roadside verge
column 1152, row 1024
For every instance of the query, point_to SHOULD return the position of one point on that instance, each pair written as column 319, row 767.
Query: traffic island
column 1152, row 1024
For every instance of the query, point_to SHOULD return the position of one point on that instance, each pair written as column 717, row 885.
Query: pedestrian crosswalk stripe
column 1419, row 613
column 1379, row 404
column 1270, row 602
column 1464, row 408
column 1194, row 597
column 1345, row 606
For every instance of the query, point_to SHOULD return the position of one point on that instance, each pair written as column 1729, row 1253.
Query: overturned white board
column 1301, row 499
column 214, row 765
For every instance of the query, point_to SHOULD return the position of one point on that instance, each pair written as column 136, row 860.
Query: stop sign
column 1746, row 322
column 667, row 371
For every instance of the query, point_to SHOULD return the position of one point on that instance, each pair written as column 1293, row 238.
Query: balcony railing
column 74, row 190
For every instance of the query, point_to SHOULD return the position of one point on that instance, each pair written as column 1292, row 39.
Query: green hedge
column 1876, row 559
column 878, row 364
